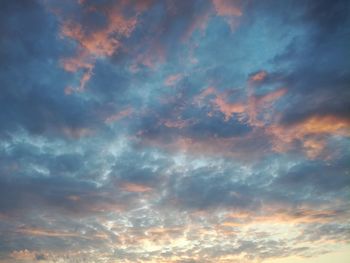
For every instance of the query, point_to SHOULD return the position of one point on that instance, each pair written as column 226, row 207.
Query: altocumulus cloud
column 174, row 131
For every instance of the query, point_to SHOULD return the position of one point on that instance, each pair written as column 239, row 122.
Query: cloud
column 96, row 43
column 118, row 116
column 23, row 254
column 228, row 109
column 220, row 104
column 171, row 80
column 212, row 131
column 136, row 188
column 179, row 124
column 259, row 76
column 227, row 7
column 202, row 192
column 32, row 98
column 316, row 176
column 103, row 42
column 301, row 216
column 311, row 132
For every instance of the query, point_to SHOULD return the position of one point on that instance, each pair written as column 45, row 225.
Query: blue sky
column 174, row 131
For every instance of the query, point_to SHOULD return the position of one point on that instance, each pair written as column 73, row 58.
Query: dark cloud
column 206, row 188
column 318, row 68
column 32, row 95
column 327, row 17
column 317, row 177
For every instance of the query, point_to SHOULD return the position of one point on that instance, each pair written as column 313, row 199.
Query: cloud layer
column 174, row 131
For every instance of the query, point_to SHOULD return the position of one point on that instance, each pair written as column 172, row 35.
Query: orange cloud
column 314, row 147
column 135, row 188
column 308, row 132
column 323, row 124
column 45, row 232
column 76, row 63
column 271, row 96
column 84, row 79
column 228, row 109
column 102, row 42
column 171, row 80
column 260, row 106
column 259, row 76
column 59, row 234
column 230, row 9
column 227, row 7
column 258, row 112
column 118, row 116
column 281, row 216
column 255, row 106
column 23, row 255
column 218, row 102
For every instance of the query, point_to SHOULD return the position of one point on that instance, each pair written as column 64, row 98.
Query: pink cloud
column 45, row 232
column 97, row 43
column 261, row 106
column 171, row 80
column 74, row 64
column 311, row 132
column 284, row 215
column 227, row 7
column 119, row 115
column 252, row 108
column 154, row 56
column 179, row 124
column 259, row 76
column 34, row 231
column 135, row 188
column 271, row 96
column 228, row 109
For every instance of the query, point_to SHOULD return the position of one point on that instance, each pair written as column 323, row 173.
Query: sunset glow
column 175, row 131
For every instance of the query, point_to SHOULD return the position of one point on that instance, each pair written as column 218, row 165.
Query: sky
column 175, row 131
